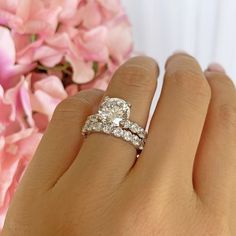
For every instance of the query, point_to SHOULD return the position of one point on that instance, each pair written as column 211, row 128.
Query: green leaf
column 95, row 67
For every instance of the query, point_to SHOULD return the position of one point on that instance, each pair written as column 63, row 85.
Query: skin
column 182, row 184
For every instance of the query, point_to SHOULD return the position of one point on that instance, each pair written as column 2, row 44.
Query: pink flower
column 17, row 142
column 49, row 50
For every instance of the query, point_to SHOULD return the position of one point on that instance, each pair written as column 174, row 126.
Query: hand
column 184, row 182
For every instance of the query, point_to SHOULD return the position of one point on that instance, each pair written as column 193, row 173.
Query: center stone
column 114, row 110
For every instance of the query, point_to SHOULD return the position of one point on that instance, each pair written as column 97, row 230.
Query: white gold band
column 98, row 127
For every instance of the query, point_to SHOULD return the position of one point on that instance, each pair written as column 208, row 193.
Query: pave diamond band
column 116, row 131
column 124, row 124
column 113, row 118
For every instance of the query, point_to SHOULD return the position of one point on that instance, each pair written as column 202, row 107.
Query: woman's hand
column 184, row 182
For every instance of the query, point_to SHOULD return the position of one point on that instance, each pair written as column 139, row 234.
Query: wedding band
column 113, row 119
column 99, row 127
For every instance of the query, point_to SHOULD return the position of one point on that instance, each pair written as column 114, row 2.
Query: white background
column 204, row 28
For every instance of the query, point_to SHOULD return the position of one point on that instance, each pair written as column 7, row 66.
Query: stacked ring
column 113, row 119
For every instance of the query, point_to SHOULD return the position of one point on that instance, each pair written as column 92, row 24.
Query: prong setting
column 113, row 119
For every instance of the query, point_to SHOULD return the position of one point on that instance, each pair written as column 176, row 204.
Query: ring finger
column 107, row 157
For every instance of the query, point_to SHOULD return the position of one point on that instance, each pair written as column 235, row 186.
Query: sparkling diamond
column 134, row 128
column 127, row 135
column 114, row 110
column 141, row 135
column 127, row 124
column 89, row 127
column 136, row 140
column 97, row 127
column 117, row 132
column 106, row 129
column 93, row 118
column 87, row 123
column 141, row 147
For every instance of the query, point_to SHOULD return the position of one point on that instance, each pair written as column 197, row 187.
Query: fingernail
column 180, row 52
column 215, row 67
column 177, row 52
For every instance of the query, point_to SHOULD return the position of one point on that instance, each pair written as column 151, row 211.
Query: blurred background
column 204, row 28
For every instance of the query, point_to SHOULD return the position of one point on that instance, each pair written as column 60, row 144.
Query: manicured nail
column 216, row 67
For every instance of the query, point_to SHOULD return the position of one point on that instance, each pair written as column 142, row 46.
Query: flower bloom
column 49, row 50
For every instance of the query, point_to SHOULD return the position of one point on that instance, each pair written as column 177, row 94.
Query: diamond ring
column 113, row 119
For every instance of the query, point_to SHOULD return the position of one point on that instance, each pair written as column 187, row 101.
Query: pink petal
column 44, row 103
column 93, row 44
column 7, row 60
column 120, row 41
column 5, row 112
column 91, row 15
column 72, row 89
column 16, row 157
column 24, row 9
column 22, row 134
column 111, row 5
column 9, row 19
column 68, row 8
column 25, row 56
column 25, row 102
column 7, row 50
column 48, row 56
column 82, row 72
column 41, row 121
column 52, row 86
column 18, row 96
column 1, row 92
column 99, row 83
column 62, row 43
column 9, row 5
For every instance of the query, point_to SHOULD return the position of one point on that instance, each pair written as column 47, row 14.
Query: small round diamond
column 127, row 135
column 117, row 132
column 141, row 135
column 97, row 127
column 134, row 128
column 106, row 129
column 136, row 140
column 89, row 127
column 93, row 118
column 127, row 124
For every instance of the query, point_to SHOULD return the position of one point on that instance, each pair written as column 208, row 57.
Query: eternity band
column 118, row 132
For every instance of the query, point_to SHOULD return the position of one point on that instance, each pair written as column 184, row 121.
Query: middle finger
column 177, row 123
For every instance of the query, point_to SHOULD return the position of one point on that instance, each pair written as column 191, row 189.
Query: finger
column 177, row 123
column 108, row 158
column 62, row 140
column 214, row 172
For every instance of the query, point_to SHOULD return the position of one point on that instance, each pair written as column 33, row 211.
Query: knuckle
column 137, row 77
column 191, row 85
